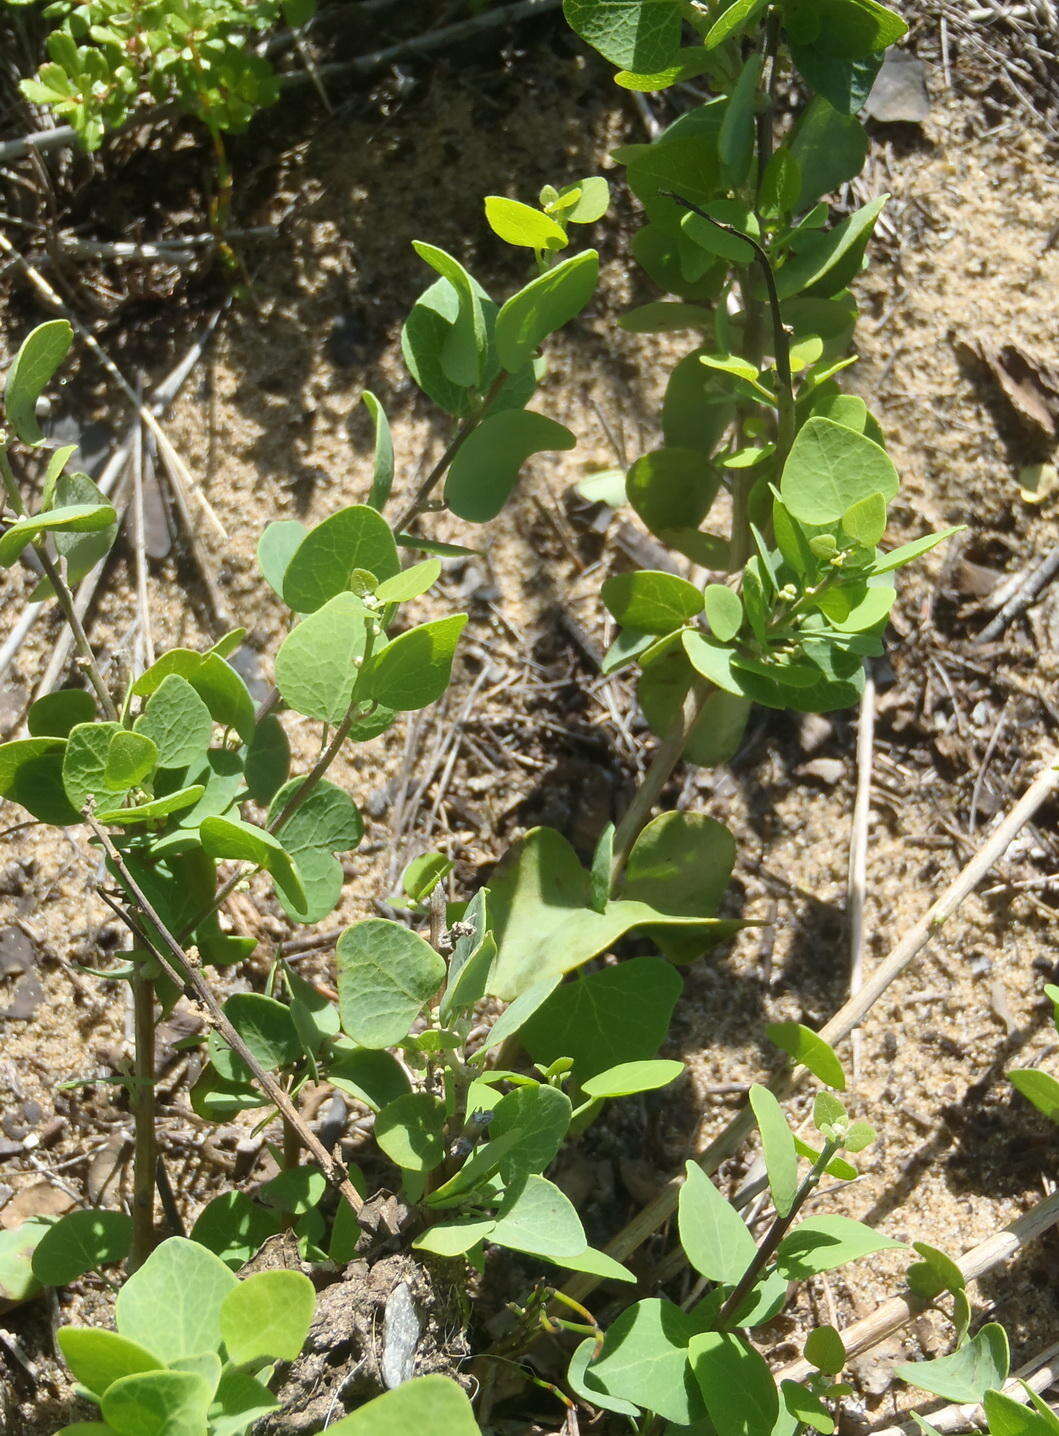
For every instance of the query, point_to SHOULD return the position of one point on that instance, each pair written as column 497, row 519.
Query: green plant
column 108, row 59
column 180, row 772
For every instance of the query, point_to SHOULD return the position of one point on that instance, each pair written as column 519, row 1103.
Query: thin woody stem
column 333, row 1170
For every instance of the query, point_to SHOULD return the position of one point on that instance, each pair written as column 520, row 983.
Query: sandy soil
column 272, row 427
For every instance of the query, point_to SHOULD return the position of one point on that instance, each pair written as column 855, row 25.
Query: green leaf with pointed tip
column 382, row 463
column 97, row 1358
column 777, row 1141
column 453, row 1239
column 980, row 1365
column 79, row 1242
column 321, row 567
column 628, row 1078
column 410, row 1130
column 543, row 306
column 638, row 35
column 616, row 1015
column 826, row 1350
column 225, row 694
column 177, row 722
column 578, row 1383
column 153, row 810
column 651, row 601
column 414, row 669
column 464, row 351
column 171, row 1305
column 31, row 774
column 898, row 557
column 541, row 913
column 318, row 664
column 1038, row 1087
column 521, row 224
column 410, row 582
column 830, row 468
column 276, row 547
column 736, row 1384
column 431, row 1404
column 385, row 975
column 808, row 1049
column 1007, row 1416
column 73, row 518
column 733, row 21
column 517, row 1012
column 55, row 714
column 38, row 357
column 131, row 758
column 537, row 1218
column 935, row 1273
column 645, row 1360
column 833, row 257
column 158, row 1403
column 244, row 842
column 486, row 467
column 716, row 1240
column 267, row 1316
column 823, row 1243
column 865, row 521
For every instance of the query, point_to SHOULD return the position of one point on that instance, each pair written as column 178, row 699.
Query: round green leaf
column 325, row 560
column 267, row 1316
column 97, row 1358
column 385, row 975
column 410, row 1131
column 177, row 722
column 131, row 758
column 171, row 1305
column 158, row 1403
column 724, row 611
column 413, row 671
column 318, row 664
column 651, row 601
column 55, row 714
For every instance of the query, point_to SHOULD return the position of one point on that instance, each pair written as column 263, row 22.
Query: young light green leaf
column 830, row 468
column 651, row 601
column 318, row 664
column 898, row 557
column 171, row 1305
column 537, row 1218
column 38, row 357
column 277, row 545
column 97, row 1357
column 385, row 975
column 322, row 565
column 244, row 842
column 521, row 224
column 486, row 466
column 714, row 1236
column 544, row 305
column 630, row 1077
column 808, row 1049
column 980, row 1365
column 539, row 1118
column 413, row 671
column 410, row 1131
column 73, row 518
column 1038, row 1087
column 453, row 1239
column 151, row 811
column 79, row 1242
column 724, row 611
column 267, row 1316
column 383, row 465
column 736, row 1384
column 777, row 1141
column 865, row 521
column 410, row 582
column 158, row 1403
column 177, row 721
column 431, row 1404
column 590, row 197
column 131, row 757
column 825, row 1242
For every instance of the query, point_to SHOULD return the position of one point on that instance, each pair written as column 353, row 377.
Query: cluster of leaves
column 109, row 58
